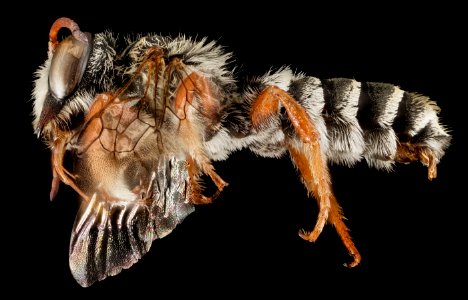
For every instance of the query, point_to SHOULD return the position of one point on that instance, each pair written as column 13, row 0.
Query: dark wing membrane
column 109, row 236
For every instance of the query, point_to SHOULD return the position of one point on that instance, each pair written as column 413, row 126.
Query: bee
column 144, row 117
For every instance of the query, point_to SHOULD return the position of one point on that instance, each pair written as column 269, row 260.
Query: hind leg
column 307, row 155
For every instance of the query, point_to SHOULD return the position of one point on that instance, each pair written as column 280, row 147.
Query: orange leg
column 58, row 171
column 197, row 84
column 194, row 172
column 303, row 157
column 307, row 156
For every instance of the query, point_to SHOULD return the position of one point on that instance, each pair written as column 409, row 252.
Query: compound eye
column 68, row 64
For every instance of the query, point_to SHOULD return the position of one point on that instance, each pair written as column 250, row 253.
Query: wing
column 111, row 235
column 135, row 189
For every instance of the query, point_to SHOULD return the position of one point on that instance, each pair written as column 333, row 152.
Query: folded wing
column 111, row 235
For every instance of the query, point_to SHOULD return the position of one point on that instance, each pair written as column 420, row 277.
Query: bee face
column 62, row 88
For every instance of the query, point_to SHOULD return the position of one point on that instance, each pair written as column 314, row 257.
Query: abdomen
column 356, row 120
column 369, row 120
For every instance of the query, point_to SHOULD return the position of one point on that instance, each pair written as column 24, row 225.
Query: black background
column 409, row 230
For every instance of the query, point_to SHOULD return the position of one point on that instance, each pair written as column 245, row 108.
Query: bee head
column 69, row 79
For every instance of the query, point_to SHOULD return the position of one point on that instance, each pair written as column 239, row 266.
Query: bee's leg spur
column 307, row 155
column 407, row 152
column 197, row 197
